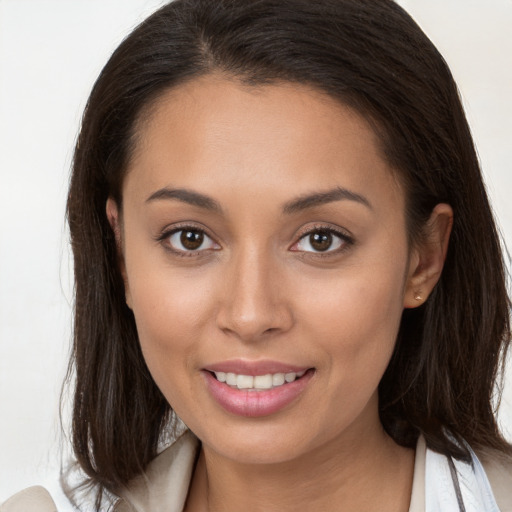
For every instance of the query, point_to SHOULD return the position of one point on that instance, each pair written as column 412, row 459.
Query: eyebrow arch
column 186, row 196
column 320, row 198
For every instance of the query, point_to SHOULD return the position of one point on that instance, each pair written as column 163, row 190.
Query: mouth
column 258, row 382
column 242, row 394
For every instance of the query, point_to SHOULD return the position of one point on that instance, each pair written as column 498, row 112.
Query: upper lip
column 248, row 367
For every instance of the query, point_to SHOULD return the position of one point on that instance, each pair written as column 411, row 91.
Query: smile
column 257, row 395
column 258, row 382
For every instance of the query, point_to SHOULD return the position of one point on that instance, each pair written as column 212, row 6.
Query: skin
column 258, row 290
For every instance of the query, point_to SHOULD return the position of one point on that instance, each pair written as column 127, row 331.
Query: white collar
column 454, row 485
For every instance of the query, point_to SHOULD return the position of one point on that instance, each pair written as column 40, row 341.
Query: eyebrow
column 320, row 198
column 186, row 196
column 301, row 203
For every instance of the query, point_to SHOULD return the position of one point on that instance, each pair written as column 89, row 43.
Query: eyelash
column 167, row 234
column 346, row 241
column 345, row 238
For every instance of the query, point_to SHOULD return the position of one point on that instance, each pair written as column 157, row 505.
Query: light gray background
column 50, row 53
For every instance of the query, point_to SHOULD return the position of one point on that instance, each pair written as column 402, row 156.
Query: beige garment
column 33, row 499
column 166, row 482
column 165, row 485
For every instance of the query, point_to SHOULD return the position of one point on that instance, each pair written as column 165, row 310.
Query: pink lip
column 256, row 403
column 246, row 367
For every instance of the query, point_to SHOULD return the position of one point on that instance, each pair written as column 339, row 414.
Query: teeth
column 249, row 382
column 289, row 377
column 263, row 381
column 278, row 379
column 244, row 382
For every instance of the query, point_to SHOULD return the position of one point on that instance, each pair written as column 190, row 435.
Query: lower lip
column 256, row 403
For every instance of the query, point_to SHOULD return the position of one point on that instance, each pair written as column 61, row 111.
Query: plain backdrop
column 50, row 54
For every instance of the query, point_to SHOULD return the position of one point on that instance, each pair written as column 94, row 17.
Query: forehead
column 283, row 139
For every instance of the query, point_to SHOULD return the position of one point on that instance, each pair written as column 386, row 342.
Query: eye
column 187, row 240
column 322, row 240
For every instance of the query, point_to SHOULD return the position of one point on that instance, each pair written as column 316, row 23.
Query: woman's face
column 264, row 241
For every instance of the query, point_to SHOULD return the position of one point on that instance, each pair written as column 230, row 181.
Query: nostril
column 252, row 318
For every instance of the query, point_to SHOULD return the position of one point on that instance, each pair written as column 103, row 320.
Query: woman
column 281, row 236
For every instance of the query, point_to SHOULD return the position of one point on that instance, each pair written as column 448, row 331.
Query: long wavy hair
column 371, row 56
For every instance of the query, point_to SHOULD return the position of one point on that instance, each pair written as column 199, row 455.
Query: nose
column 253, row 301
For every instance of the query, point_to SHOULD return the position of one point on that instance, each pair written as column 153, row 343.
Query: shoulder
column 32, row 499
column 164, row 486
column 165, row 483
column 498, row 468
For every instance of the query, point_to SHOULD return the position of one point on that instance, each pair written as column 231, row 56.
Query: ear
column 114, row 220
column 428, row 256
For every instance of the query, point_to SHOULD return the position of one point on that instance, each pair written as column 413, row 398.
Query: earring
column 417, row 296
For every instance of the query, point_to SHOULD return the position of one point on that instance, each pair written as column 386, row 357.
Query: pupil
column 191, row 240
column 321, row 240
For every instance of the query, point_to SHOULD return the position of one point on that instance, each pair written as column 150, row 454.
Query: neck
column 363, row 472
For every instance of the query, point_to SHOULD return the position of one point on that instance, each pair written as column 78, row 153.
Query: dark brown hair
column 370, row 55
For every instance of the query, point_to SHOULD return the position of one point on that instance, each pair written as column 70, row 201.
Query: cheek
column 168, row 314
column 355, row 319
column 170, row 310
column 165, row 312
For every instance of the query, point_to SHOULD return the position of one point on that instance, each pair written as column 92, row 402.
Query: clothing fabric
column 33, row 499
column 484, row 486
column 456, row 485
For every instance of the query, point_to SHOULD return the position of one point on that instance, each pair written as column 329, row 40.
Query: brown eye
column 191, row 240
column 320, row 240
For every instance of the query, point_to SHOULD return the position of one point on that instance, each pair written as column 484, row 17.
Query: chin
column 258, row 451
column 266, row 441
